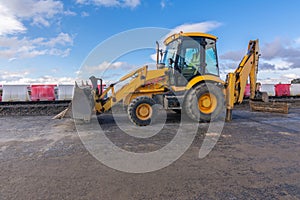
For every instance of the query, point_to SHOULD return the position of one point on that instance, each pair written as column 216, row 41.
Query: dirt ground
column 256, row 157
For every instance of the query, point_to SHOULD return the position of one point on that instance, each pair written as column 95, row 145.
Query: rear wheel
column 140, row 110
column 204, row 102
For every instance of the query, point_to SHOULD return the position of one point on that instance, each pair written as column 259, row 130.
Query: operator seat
column 191, row 68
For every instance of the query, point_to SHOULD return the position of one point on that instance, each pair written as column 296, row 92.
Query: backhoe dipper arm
column 236, row 81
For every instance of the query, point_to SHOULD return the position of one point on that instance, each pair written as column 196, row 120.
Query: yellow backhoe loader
column 186, row 80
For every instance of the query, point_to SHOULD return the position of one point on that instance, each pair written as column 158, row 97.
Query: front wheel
column 204, row 102
column 140, row 110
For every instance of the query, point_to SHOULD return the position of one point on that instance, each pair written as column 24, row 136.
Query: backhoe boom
column 236, row 81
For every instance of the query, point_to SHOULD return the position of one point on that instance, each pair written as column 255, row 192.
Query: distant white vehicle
column 15, row 93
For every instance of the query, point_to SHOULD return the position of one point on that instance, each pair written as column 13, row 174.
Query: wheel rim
column 207, row 103
column 144, row 111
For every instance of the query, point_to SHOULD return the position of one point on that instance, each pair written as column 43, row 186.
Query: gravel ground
column 256, row 157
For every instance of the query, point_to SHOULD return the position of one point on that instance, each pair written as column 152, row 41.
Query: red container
column 42, row 92
column 247, row 91
column 103, row 87
column 282, row 90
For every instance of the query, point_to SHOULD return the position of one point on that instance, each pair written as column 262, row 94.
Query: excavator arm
column 236, row 81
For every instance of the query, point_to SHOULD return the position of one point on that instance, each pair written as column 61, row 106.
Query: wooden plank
column 277, row 107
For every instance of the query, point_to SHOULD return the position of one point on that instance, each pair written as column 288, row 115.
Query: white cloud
column 111, row 3
column 192, row 27
column 84, row 14
column 290, row 76
column 197, row 27
column 276, row 55
column 37, row 12
column 165, row 3
column 131, row 3
column 162, row 4
column 275, row 80
column 297, row 40
column 279, row 63
column 22, row 77
column 105, row 66
column 283, row 50
column 277, row 76
column 70, row 13
column 9, row 23
column 153, row 57
column 106, row 3
column 58, row 52
column 62, row 39
column 40, row 12
column 13, row 47
column 233, row 55
column 109, row 72
column 8, row 75
column 47, row 79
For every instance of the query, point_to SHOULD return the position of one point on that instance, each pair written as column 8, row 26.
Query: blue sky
column 49, row 40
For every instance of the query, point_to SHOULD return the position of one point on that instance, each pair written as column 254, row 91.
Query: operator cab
column 190, row 55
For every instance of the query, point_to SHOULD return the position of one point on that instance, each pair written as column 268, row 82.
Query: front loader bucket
column 82, row 103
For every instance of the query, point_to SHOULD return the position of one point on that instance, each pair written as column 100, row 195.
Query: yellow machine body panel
column 204, row 78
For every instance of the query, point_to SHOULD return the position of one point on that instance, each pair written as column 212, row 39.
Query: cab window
column 170, row 53
column 211, row 58
column 189, row 59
